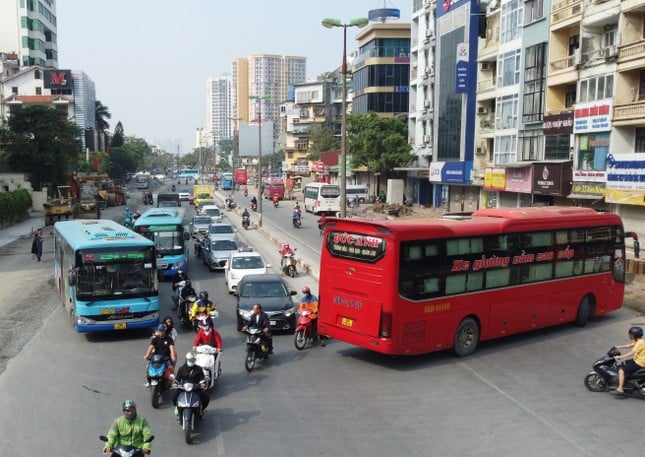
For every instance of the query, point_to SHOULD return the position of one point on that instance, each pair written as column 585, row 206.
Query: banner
column 461, row 70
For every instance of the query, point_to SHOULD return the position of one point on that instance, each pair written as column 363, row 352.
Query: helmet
column 203, row 295
column 306, row 290
column 190, row 359
column 161, row 328
column 130, row 410
column 180, row 272
column 636, row 332
column 204, row 321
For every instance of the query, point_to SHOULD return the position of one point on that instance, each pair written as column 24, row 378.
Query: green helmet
column 129, row 404
column 130, row 410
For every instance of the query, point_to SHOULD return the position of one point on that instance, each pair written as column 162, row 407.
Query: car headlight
column 289, row 312
column 245, row 314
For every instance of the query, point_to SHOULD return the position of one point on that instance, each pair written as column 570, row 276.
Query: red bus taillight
column 386, row 325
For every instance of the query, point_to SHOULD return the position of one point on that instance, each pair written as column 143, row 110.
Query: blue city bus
column 105, row 275
column 227, row 181
column 166, row 227
column 188, row 173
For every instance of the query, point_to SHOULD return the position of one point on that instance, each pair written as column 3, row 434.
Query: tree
column 118, row 137
column 43, row 144
column 381, row 143
column 134, row 155
column 321, row 139
column 101, row 113
column 226, row 146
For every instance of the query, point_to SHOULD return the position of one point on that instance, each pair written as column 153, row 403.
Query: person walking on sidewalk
column 37, row 246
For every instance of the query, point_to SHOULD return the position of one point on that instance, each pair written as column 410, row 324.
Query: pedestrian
column 37, row 246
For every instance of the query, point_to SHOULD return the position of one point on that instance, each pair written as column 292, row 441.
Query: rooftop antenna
column 384, row 14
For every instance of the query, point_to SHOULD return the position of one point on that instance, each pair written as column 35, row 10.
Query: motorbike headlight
column 289, row 312
column 189, row 386
column 245, row 314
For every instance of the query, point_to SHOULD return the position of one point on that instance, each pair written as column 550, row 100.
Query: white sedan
column 241, row 263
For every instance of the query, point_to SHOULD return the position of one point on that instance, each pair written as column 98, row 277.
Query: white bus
column 322, row 198
column 356, row 193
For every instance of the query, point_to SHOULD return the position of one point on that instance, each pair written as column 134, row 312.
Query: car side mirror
column 293, row 292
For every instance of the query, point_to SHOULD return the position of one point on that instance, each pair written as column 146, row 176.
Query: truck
column 202, row 192
column 241, row 176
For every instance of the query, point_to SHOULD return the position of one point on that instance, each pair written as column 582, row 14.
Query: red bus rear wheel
column 466, row 337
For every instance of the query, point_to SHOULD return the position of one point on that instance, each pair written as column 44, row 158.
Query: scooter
column 185, row 306
column 127, row 220
column 246, row 192
column 304, row 331
column 208, row 358
column 276, row 202
column 604, row 376
column 254, row 206
column 159, row 374
column 246, row 221
column 256, row 348
column 189, row 405
column 296, row 219
column 230, row 204
column 126, row 451
column 289, row 265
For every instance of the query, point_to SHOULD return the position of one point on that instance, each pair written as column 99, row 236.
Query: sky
column 150, row 59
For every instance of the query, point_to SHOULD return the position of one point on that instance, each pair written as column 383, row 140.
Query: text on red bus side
column 484, row 262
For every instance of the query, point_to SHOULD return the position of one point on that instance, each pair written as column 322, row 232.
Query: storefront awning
column 584, row 197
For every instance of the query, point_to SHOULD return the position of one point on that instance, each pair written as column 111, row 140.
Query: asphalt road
column 520, row 396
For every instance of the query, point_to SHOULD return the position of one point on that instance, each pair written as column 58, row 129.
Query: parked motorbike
column 246, row 221
column 289, row 265
column 209, row 358
column 189, row 405
column 158, row 373
column 304, row 331
column 254, row 206
column 604, row 376
column 256, row 348
column 296, row 218
column 126, row 451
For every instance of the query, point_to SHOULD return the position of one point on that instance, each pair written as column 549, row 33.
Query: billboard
column 249, row 138
column 58, row 79
column 593, row 116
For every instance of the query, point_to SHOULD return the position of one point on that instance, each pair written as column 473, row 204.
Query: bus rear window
column 355, row 246
column 329, row 191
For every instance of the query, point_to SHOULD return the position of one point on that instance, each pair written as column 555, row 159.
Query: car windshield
column 263, row 290
column 205, row 203
column 247, row 263
column 202, row 220
column 168, row 204
column 223, row 245
column 213, row 212
column 224, row 228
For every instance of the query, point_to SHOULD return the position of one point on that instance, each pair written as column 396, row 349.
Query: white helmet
column 191, row 359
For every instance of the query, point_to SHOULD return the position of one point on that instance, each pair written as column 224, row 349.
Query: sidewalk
column 24, row 229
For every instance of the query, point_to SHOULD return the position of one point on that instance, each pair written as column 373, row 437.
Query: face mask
column 190, row 363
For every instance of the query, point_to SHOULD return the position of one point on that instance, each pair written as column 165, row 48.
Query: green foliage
column 223, row 165
column 380, row 143
column 226, row 146
column 14, row 206
column 134, row 155
column 101, row 113
column 118, row 138
column 43, row 144
column 321, row 139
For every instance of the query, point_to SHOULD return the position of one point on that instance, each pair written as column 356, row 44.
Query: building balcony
column 631, row 56
column 486, row 89
column 600, row 12
column 632, row 6
column 565, row 13
column 563, row 70
column 629, row 114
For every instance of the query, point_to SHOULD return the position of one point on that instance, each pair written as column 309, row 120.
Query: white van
column 354, row 192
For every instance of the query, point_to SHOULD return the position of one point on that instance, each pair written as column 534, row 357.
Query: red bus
column 273, row 186
column 418, row 286
column 241, row 176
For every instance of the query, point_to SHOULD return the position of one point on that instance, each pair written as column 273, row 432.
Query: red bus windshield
column 417, row 286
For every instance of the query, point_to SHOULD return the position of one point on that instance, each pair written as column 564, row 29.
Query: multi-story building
column 421, row 110
column 218, row 110
column 28, row 28
column 85, row 111
column 268, row 76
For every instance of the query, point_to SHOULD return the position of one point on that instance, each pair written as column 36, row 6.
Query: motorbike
column 254, row 206
column 604, row 376
column 289, row 265
column 304, row 331
column 246, row 192
column 246, row 221
column 173, row 188
column 276, row 202
column 296, row 219
column 125, row 450
column 127, row 220
column 158, row 372
column 189, row 406
column 256, row 348
column 185, row 306
column 230, row 204
column 208, row 358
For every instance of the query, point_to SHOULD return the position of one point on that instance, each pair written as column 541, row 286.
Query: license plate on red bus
column 346, row 321
column 121, row 326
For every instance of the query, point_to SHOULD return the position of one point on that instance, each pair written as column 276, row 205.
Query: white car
column 241, row 263
column 213, row 212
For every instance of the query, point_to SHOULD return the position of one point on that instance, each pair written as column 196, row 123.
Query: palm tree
column 101, row 114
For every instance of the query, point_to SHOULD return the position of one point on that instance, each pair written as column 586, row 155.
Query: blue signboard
column 448, row 172
column 463, row 62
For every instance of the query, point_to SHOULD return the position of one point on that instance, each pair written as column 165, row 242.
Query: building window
column 639, row 144
column 511, row 22
column 534, row 83
column 505, row 149
column 39, row 91
column 592, row 151
column 509, row 69
column 597, row 88
column 570, row 95
column 557, row 147
column 36, row 74
column 530, row 143
column 641, row 86
column 533, row 10
column 506, row 112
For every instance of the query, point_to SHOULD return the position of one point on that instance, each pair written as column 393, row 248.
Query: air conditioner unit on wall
column 426, row 103
column 482, row 110
column 481, row 150
column 426, row 138
column 484, row 66
column 611, row 52
column 429, row 33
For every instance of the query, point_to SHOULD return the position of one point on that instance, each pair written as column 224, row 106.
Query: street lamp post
column 259, row 99
column 342, row 159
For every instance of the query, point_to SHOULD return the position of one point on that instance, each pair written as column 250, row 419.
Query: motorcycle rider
column 176, row 279
column 260, row 320
column 171, row 331
column 246, row 215
column 276, row 199
column 633, row 364
column 129, row 430
column 322, row 221
column 164, row 345
column 284, row 252
column 246, row 191
column 193, row 373
column 127, row 217
column 206, row 334
column 309, row 302
column 296, row 211
column 254, row 202
column 203, row 305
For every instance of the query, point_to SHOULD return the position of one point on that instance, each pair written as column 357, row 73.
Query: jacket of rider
column 129, row 433
column 309, row 304
column 201, row 307
column 212, row 338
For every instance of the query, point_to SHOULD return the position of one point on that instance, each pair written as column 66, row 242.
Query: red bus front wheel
column 466, row 337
